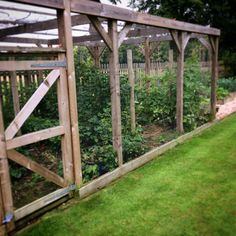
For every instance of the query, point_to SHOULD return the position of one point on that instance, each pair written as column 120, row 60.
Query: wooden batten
column 35, row 137
column 115, row 90
column 26, row 65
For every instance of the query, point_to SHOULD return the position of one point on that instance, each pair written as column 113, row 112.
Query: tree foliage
column 216, row 13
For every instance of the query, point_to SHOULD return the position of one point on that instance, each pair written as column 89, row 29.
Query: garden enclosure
column 110, row 27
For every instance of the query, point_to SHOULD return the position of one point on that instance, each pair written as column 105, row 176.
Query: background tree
column 216, row 13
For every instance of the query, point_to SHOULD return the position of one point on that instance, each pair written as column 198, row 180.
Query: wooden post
column 5, row 184
column 147, row 57
column 64, row 116
column 65, row 32
column 171, row 58
column 131, row 83
column 15, row 94
column 214, row 41
column 115, row 90
column 181, row 39
column 2, row 214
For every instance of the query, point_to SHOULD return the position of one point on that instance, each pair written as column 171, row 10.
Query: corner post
column 115, row 90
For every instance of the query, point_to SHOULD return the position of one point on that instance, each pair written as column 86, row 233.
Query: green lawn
column 190, row 191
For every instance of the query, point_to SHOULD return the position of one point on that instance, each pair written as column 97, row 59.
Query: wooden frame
column 156, row 29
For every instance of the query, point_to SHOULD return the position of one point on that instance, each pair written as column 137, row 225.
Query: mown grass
column 190, row 191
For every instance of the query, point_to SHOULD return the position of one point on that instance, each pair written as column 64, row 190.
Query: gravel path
column 227, row 108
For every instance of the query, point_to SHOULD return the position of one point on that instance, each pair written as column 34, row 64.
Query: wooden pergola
column 112, row 26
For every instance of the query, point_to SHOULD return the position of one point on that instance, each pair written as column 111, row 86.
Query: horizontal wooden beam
column 24, row 40
column 27, row 10
column 34, row 137
column 113, row 12
column 41, row 26
column 41, row 203
column 24, row 65
column 31, row 50
column 31, row 104
column 55, row 4
column 35, row 167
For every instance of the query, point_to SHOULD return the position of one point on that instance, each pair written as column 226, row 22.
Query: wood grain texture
column 31, row 104
column 113, row 12
column 34, row 137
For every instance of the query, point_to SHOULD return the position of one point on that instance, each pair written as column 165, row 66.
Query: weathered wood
column 64, row 21
column 132, row 86
column 5, row 184
column 29, row 49
column 34, row 137
column 181, row 39
column 112, row 12
column 2, row 213
column 214, row 41
column 115, row 90
column 147, row 59
column 171, row 58
column 64, row 117
column 98, row 26
column 41, row 26
column 15, row 94
column 123, row 33
column 25, row 65
column 106, row 179
column 35, row 167
column 40, row 203
column 55, row 4
column 32, row 103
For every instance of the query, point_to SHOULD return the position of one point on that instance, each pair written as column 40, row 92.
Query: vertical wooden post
column 181, row 40
column 64, row 116
column 2, row 214
column 5, row 184
column 131, row 83
column 115, row 90
column 96, row 50
column 65, row 32
column 147, row 57
column 180, row 87
column 15, row 94
column 214, row 41
column 171, row 59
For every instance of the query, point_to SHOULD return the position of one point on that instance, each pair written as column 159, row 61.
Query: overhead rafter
column 55, row 4
column 40, row 26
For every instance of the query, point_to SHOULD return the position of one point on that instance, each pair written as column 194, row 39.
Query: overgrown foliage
column 158, row 103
